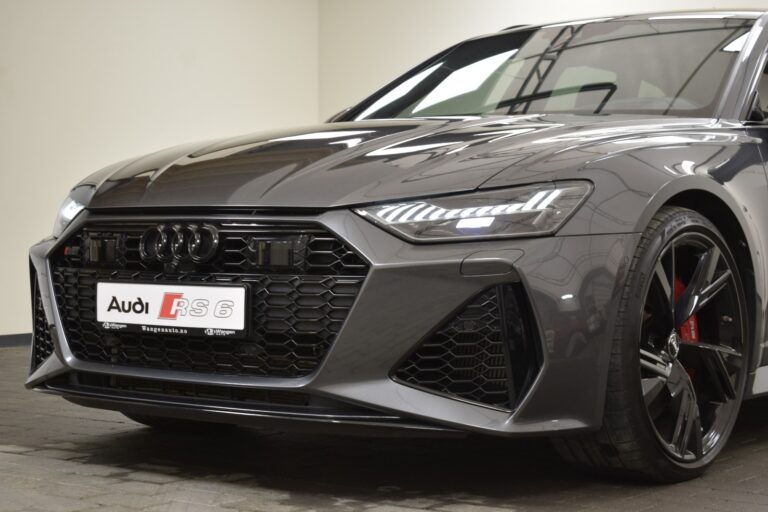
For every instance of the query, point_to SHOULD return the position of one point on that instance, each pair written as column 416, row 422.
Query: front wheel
column 679, row 358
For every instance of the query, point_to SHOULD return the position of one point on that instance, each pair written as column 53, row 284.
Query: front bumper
column 572, row 284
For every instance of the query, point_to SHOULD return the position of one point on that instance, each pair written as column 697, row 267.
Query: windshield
column 663, row 65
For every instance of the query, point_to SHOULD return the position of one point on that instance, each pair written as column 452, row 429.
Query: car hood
column 343, row 164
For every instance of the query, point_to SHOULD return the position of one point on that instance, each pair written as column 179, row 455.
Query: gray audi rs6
column 554, row 230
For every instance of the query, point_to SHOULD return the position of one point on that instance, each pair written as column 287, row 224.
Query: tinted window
column 762, row 91
column 655, row 66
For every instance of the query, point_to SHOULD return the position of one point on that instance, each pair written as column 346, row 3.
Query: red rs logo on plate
column 172, row 303
column 175, row 305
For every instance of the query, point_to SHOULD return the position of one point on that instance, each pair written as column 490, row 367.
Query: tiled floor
column 55, row 456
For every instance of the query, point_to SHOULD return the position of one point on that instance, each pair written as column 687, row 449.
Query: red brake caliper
column 689, row 331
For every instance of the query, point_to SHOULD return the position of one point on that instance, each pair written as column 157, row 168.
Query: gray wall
column 84, row 83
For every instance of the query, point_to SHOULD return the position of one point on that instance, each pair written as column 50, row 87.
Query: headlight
column 513, row 212
column 75, row 202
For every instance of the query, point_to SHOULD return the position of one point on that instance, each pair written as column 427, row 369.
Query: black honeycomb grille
column 42, row 344
column 293, row 322
column 487, row 353
column 296, row 308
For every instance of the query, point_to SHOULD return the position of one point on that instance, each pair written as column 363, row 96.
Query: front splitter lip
column 410, row 290
column 284, row 420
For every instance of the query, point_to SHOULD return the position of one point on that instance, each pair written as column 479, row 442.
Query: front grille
column 487, row 353
column 42, row 344
column 313, row 250
column 296, row 310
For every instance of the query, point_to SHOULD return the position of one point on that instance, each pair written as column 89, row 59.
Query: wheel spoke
column 709, row 347
column 713, row 360
column 687, row 423
column 698, row 435
column 692, row 432
column 702, row 287
column 655, row 364
column 666, row 283
column 708, row 293
column 652, row 391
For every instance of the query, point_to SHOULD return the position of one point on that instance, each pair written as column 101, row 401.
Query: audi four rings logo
column 179, row 242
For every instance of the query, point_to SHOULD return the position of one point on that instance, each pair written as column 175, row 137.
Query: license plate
column 171, row 309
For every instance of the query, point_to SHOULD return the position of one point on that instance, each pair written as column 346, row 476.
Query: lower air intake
column 294, row 321
column 42, row 344
column 487, row 353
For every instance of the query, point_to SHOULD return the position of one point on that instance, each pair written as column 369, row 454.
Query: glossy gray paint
column 317, row 173
column 313, row 167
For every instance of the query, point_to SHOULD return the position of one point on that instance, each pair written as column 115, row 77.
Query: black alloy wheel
column 692, row 349
column 679, row 359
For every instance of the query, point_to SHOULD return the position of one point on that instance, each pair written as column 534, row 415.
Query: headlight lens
column 75, row 203
column 523, row 211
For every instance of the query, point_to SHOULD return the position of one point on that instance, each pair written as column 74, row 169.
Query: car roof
column 745, row 14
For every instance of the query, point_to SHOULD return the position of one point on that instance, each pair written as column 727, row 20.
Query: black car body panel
column 318, row 174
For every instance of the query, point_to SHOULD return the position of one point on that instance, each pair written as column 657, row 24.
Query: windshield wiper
column 609, row 87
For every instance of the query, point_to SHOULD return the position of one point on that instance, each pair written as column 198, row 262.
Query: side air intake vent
column 487, row 353
column 42, row 344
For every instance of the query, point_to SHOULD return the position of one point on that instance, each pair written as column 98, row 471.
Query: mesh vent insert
column 486, row 353
column 42, row 344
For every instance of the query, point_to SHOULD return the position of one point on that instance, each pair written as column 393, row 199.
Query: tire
column 642, row 436
column 162, row 423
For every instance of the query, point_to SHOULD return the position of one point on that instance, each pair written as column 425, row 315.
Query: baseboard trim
column 759, row 381
column 15, row 340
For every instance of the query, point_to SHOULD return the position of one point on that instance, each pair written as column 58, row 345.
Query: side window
column 762, row 90
column 759, row 113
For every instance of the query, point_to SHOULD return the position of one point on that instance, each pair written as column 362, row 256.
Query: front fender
column 635, row 176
